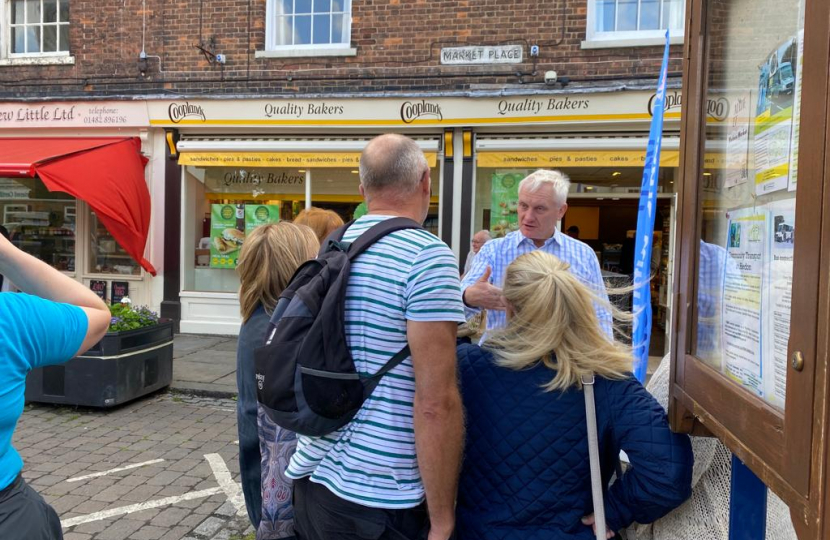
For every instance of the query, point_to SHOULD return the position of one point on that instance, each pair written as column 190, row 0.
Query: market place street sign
column 499, row 54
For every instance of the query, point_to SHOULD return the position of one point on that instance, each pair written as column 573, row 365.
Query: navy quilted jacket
column 526, row 474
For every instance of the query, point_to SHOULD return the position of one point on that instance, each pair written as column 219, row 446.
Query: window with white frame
column 37, row 28
column 308, row 24
column 634, row 20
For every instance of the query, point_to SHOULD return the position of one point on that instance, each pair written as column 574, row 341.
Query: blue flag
column 641, row 307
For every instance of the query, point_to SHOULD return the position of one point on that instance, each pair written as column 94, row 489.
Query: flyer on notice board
column 796, row 114
column 779, row 288
column 743, row 298
column 774, row 119
column 737, row 141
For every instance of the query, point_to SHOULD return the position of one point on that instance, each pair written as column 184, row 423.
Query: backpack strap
column 392, row 363
column 335, row 238
column 378, row 231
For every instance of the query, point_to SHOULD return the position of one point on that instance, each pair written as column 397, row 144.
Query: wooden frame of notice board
column 787, row 449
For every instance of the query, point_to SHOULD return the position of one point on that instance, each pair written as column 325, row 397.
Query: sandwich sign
column 226, row 236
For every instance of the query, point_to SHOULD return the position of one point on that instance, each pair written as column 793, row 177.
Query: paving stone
column 148, row 532
column 119, row 529
column 227, row 509
column 76, row 536
column 209, row 526
column 170, row 517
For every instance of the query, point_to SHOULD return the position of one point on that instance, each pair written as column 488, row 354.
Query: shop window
column 40, row 222
column 37, row 28
column 309, row 27
column 633, row 22
column 106, row 256
column 223, row 204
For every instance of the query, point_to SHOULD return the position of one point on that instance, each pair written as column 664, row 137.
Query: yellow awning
column 571, row 158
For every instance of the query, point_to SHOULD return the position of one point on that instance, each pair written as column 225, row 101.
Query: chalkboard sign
column 120, row 289
column 99, row 288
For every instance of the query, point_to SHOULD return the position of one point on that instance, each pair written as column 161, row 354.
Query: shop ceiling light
column 616, row 173
column 707, row 174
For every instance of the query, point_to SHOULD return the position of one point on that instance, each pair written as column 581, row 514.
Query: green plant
column 126, row 317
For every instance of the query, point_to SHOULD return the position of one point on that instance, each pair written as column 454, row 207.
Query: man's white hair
column 556, row 179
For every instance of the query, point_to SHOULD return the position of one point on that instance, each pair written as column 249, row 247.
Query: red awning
column 107, row 173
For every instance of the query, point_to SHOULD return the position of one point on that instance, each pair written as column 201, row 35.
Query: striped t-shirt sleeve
column 433, row 288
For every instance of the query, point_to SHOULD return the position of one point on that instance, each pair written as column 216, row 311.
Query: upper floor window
column 38, row 28
column 633, row 22
column 308, row 24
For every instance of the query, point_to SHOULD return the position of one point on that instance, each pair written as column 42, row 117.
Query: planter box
column 119, row 368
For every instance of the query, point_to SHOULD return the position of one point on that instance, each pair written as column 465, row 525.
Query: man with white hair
column 479, row 239
column 543, row 199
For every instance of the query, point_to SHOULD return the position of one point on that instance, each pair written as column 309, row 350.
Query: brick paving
column 63, row 443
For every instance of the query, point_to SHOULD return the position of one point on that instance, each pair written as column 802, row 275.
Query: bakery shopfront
column 236, row 164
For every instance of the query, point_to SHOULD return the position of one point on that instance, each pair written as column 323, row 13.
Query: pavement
column 163, row 467
column 204, row 365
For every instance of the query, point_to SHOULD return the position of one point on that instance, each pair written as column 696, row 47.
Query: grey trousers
column 24, row 515
column 321, row 515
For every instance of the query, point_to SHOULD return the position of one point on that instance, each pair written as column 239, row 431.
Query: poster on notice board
column 743, row 288
column 778, row 299
column 796, row 115
column 774, row 118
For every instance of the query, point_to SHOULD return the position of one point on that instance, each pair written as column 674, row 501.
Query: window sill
column 630, row 42
column 304, row 53
column 38, row 61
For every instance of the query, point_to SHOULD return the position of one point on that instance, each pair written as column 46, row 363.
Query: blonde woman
column 526, row 473
column 322, row 222
column 269, row 257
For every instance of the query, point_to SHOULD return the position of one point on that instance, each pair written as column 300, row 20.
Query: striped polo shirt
column 407, row 275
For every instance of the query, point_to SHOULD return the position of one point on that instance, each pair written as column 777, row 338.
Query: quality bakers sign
column 99, row 114
column 553, row 108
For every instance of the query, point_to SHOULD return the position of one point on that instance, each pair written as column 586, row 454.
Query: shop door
column 751, row 250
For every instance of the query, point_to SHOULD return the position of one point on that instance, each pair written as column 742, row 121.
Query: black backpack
column 306, row 377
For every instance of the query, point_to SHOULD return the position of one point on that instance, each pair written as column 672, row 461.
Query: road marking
column 119, row 469
column 223, row 478
column 113, row 512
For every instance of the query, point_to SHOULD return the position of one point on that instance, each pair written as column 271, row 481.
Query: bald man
column 479, row 239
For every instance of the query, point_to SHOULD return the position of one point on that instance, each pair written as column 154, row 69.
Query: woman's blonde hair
column 553, row 320
column 269, row 257
column 322, row 222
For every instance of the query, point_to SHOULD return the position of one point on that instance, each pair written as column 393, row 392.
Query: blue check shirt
column 499, row 253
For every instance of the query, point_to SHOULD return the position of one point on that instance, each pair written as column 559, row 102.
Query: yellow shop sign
column 278, row 159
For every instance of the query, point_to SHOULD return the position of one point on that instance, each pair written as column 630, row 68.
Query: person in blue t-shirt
column 54, row 319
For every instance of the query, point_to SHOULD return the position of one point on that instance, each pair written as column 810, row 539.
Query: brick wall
column 397, row 41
